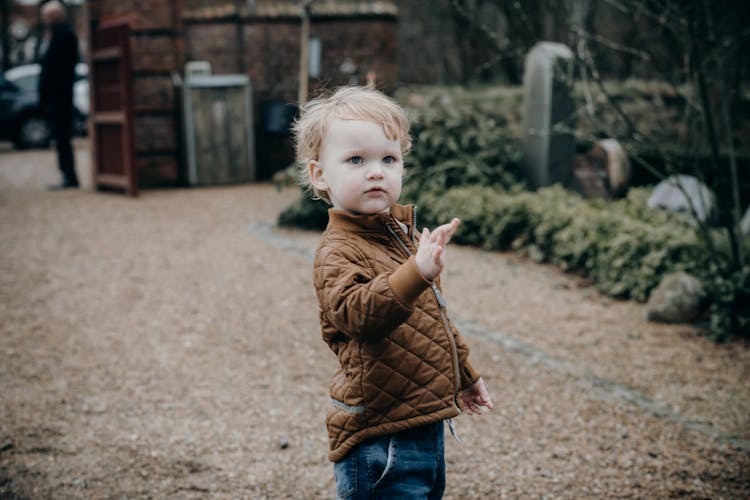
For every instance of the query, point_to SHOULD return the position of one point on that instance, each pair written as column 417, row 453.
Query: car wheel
column 33, row 132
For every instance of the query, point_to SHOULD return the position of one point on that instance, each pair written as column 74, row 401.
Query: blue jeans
column 409, row 464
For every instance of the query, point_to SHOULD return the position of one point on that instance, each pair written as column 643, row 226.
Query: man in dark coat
column 56, row 87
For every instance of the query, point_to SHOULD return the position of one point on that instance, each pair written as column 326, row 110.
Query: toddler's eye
column 356, row 160
column 389, row 159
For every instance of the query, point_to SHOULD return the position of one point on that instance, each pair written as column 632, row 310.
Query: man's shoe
column 63, row 185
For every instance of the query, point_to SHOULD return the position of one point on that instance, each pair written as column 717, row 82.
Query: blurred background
column 606, row 98
column 467, row 43
column 166, row 344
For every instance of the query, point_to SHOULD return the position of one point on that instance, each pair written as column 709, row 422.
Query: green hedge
column 459, row 145
column 731, row 292
column 624, row 255
column 305, row 213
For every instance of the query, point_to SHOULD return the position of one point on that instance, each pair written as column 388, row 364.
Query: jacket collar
column 341, row 219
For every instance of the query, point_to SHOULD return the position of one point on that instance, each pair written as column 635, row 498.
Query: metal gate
column 113, row 152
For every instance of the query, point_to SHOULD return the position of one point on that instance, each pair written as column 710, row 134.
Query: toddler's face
column 359, row 167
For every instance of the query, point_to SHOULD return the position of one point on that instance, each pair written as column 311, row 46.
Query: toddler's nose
column 374, row 171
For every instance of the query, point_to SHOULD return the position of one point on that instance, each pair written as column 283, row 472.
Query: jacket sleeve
column 362, row 305
column 469, row 374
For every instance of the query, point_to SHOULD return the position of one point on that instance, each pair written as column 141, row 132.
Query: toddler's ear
column 317, row 177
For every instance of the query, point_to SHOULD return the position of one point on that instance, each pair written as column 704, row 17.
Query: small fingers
column 452, row 228
column 472, row 408
column 484, row 401
column 488, row 403
column 442, row 237
column 437, row 254
column 447, row 231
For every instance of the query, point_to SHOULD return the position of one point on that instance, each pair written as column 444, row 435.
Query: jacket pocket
column 342, row 423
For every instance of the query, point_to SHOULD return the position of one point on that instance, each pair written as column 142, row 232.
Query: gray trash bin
column 217, row 129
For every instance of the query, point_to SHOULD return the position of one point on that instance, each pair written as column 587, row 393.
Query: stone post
column 548, row 117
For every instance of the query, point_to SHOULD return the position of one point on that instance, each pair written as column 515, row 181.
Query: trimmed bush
column 457, row 146
column 305, row 213
column 625, row 256
column 730, row 307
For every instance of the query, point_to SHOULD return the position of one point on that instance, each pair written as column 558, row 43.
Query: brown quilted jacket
column 402, row 361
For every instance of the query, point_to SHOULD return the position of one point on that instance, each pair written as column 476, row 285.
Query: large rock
column 616, row 162
column 679, row 192
column 604, row 171
column 679, row 298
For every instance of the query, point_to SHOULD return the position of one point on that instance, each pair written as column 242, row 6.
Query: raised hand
column 430, row 257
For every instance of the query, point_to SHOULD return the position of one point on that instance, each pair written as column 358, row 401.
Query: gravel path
column 167, row 347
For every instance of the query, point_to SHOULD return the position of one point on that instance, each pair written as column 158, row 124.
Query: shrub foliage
column 459, row 145
column 624, row 255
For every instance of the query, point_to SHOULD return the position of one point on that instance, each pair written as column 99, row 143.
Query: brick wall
column 369, row 43
column 265, row 48
column 271, row 59
column 271, row 51
column 216, row 43
column 269, row 54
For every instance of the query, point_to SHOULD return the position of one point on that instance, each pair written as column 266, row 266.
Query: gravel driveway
column 168, row 347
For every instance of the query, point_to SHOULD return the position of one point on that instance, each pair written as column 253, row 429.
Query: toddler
column 404, row 366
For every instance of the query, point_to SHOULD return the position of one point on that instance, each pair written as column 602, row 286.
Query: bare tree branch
column 612, row 44
column 634, row 8
column 634, row 133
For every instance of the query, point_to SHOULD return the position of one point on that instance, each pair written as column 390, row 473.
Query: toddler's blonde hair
column 346, row 103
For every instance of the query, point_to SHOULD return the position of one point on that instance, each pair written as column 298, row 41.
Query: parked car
column 26, row 77
column 21, row 119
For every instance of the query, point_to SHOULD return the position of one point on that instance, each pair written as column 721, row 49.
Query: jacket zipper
column 442, row 306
